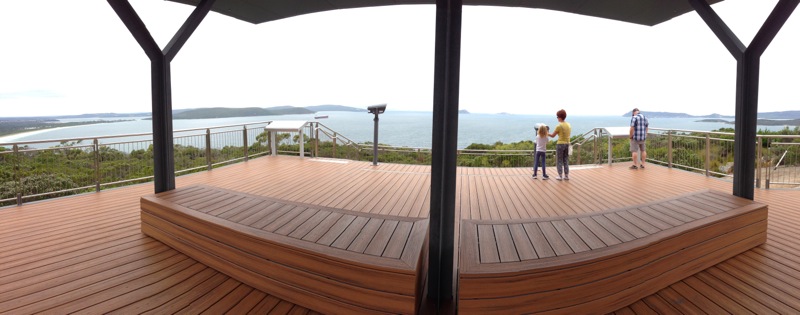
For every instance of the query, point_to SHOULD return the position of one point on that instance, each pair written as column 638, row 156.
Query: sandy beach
column 8, row 139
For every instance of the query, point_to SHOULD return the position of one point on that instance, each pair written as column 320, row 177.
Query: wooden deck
column 331, row 260
column 87, row 253
column 601, row 261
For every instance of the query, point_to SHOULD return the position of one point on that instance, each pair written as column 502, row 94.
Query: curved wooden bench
column 599, row 262
column 329, row 260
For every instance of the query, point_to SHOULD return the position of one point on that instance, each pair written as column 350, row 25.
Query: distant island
column 13, row 125
column 463, row 111
column 767, row 117
column 649, row 114
column 227, row 112
column 760, row 122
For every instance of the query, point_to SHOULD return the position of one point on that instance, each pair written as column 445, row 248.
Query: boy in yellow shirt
column 563, row 130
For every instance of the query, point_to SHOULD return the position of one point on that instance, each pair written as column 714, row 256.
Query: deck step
column 329, row 260
column 600, row 262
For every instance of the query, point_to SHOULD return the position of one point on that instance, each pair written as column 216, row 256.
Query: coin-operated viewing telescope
column 376, row 109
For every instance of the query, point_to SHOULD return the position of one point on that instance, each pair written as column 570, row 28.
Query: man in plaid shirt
column 639, row 129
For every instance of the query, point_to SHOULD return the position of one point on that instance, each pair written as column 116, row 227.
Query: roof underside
column 645, row 12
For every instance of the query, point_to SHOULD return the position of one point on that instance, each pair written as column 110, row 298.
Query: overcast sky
column 74, row 57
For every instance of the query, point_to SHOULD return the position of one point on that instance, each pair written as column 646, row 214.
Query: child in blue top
column 541, row 150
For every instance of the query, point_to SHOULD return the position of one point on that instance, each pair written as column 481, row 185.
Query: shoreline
column 9, row 139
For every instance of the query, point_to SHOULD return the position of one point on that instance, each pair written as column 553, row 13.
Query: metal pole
column 595, row 152
column 669, row 149
column 375, row 141
column 17, row 173
column 747, row 76
column 708, row 154
column 759, row 141
column 316, row 140
column 208, row 149
column 161, row 90
column 440, row 287
column 244, row 140
column 334, row 144
column 96, row 165
column 610, row 157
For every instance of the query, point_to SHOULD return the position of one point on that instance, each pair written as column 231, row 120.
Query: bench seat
column 328, row 260
column 597, row 263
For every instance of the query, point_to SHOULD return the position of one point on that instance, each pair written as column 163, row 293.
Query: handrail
column 129, row 135
column 708, row 152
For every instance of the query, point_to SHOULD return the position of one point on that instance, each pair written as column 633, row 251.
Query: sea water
column 396, row 128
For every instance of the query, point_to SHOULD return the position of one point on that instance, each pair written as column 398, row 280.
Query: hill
column 650, row 114
column 792, row 114
column 334, row 108
column 225, row 112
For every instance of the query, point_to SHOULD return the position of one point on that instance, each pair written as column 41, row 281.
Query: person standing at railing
column 541, row 150
column 563, row 130
column 639, row 128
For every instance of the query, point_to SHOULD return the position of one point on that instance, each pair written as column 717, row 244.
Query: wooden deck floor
column 86, row 253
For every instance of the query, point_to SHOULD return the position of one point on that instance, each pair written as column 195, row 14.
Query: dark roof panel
column 645, row 12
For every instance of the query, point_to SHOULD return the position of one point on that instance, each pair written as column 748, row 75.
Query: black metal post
column 747, row 76
column 375, row 142
column 161, row 89
column 441, row 271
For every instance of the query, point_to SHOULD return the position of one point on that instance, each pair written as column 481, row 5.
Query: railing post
column 96, row 165
column 759, row 141
column 334, row 144
column 316, row 140
column 208, row 148
column 708, row 153
column 244, row 140
column 596, row 146
column 269, row 143
column 18, row 159
column 579, row 154
column 610, row 155
column 669, row 148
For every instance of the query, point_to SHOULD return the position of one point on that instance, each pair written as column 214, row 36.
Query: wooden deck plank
column 598, row 230
column 334, row 220
column 539, row 241
column 506, row 248
column 190, row 293
column 168, row 295
column 585, row 234
column 523, row 243
column 487, row 244
column 575, row 242
column 394, row 248
column 35, row 224
column 381, row 238
column 626, row 225
column 366, row 235
column 722, row 290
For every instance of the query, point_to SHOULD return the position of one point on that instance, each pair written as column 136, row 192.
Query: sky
column 75, row 57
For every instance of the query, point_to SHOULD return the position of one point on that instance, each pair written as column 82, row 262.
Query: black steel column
column 375, row 140
column 441, row 279
column 161, row 88
column 747, row 76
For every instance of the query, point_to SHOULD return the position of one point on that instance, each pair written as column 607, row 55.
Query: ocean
column 396, row 128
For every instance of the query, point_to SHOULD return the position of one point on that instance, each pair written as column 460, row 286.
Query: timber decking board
column 603, row 187
column 580, row 280
column 259, row 248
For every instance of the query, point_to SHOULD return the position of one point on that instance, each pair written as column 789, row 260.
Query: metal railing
column 91, row 164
